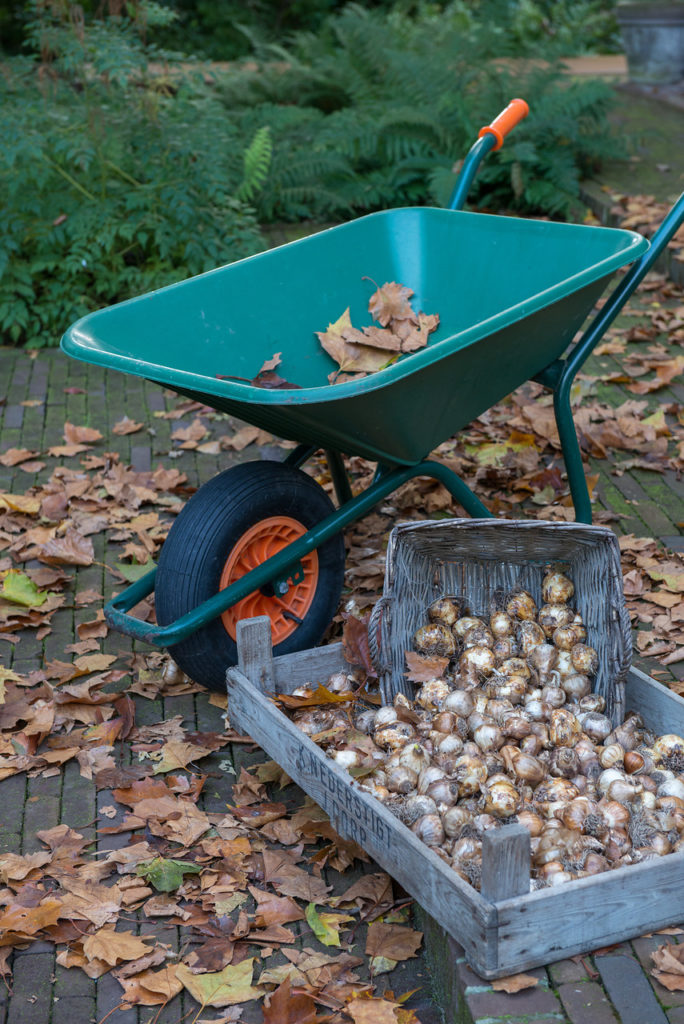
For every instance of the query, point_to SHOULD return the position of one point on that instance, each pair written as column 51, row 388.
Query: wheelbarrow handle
column 516, row 111
column 489, row 138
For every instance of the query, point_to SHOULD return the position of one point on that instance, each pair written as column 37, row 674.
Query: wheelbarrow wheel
column 229, row 526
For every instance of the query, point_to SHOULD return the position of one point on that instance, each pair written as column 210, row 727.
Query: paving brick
column 74, row 1010
column 586, row 1003
column 72, row 981
column 13, row 418
column 518, row 1020
column 109, row 995
column 44, row 786
column 79, row 805
column 141, row 458
column 497, row 1004
column 676, row 1015
column 629, row 990
column 42, row 814
column 31, row 999
column 154, row 398
column 563, row 971
column 12, row 810
column 10, row 842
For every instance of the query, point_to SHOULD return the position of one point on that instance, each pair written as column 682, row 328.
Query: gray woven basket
column 483, row 560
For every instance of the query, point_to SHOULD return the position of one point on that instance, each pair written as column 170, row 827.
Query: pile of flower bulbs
column 511, row 732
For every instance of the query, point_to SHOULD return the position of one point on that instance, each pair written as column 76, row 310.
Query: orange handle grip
column 508, row 118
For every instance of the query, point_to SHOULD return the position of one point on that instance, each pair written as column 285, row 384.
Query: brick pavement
column 615, row 986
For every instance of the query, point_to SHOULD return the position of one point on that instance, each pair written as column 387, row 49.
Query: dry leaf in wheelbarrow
column 372, row 348
column 340, row 342
column 266, row 377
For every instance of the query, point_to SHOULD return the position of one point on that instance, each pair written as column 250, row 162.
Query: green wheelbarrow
column 264, row 537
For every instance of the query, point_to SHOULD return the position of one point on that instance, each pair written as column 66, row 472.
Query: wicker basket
column 483, row 560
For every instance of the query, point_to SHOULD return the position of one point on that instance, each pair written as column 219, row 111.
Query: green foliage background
column 124, row 170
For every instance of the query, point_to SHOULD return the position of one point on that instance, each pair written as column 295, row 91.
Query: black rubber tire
column 200, row 541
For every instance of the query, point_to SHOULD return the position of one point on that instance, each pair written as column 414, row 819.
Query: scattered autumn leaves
column 247, row 882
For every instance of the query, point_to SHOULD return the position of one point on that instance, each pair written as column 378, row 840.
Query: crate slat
column 576, row 917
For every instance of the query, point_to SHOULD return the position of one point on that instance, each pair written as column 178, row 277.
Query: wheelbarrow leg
column 299, row 455
column 339, row 476
column 303, row 452
column 572, row 455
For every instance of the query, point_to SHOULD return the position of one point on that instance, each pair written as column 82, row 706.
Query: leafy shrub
column 227, row 30
column 117, row 180
column 376, row 111
column 113, row 183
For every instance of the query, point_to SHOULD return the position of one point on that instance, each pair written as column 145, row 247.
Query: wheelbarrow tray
column 511, row 295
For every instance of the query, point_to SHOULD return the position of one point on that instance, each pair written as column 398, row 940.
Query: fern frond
column 257, row 160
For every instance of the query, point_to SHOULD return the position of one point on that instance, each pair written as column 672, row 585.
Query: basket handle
column 375, row 643
column 516, row 111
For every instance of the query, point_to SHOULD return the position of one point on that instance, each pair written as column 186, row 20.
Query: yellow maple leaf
column 326, row 927
column 223, row 988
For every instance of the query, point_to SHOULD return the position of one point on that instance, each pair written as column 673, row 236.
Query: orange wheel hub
column 261, row 541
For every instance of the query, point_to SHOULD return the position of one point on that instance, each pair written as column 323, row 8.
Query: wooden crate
column 505, row 928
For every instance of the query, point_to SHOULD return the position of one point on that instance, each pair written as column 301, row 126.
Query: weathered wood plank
column 357, row 815
column 505, row 863
column 314, row 666
column 662, row 710
column 255, row 656
column 579, row 916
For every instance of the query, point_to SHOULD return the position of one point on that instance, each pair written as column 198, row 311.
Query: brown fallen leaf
column 94, row 629
column 355, row 642
column 177, row 754
column 151, row 988
column 290, row 880
column 126, row 426
column 393, row 941
column 515, row 983
column 391, row 302
column 20, row 503
column 70, row 549
column 421, row 668
column 14, row 456
column 288, row 1007
column 190, row 435
column 274, row 909
column 17, row 921
column 372, row 1011
column 80, row 435
column 321, row 695
column 67, row 450
column 668, row 963
column 350, row 357
column 112, row 946
column 376, row 337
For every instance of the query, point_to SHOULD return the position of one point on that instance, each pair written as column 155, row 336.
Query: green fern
column 257, row 160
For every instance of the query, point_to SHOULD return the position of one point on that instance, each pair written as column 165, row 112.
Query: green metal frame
column 558, row 377
column 277, row 566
